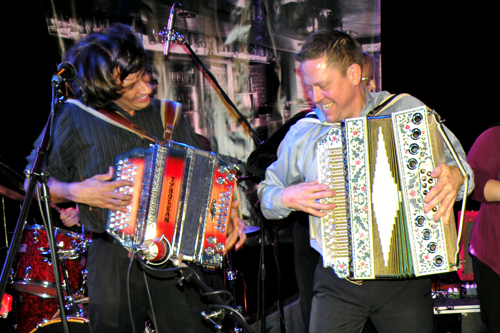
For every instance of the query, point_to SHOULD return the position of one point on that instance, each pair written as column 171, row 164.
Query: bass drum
column 75, row 325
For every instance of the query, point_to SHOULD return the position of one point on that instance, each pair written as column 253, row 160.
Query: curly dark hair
column 99, row 58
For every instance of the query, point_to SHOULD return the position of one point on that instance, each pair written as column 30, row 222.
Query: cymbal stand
column 37, row 176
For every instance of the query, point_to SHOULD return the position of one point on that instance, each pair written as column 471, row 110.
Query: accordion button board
column 181, row 201
column 379, row 229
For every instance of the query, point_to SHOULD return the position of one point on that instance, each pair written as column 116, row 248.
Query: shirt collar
column 369, row 103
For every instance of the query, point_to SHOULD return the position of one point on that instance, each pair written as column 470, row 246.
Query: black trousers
column 306, row 259
column 488, row 291
column 171, row 307
column 391, row 305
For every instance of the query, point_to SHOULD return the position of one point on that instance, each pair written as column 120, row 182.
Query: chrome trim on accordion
column 384, row 165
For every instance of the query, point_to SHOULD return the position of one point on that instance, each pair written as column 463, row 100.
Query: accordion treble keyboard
column 335, row 233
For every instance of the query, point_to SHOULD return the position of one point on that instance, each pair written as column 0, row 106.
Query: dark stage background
column 445, row 55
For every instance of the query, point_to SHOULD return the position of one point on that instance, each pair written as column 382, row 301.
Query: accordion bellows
column 181, row 195
column 380, row 168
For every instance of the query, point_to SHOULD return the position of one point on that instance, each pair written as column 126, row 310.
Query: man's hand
column 98, row 191
column 444, row 192
column 305, row 197
column 70, row 217
column 236, row 236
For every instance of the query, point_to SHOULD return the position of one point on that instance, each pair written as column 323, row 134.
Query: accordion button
column 432, row 247
column 412, row 164
column 427, row 234
column 420, row 221
column 220, row 180
column 414, row 148
column 438, row 261
column 417, row 118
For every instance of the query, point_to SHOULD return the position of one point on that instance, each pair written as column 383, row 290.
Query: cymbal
column 11, row 183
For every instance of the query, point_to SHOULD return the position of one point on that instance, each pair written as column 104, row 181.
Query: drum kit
column 32, row 281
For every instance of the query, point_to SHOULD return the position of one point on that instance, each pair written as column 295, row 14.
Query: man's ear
column 354, row 74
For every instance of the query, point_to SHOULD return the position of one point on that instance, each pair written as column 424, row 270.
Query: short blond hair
column 340, row 49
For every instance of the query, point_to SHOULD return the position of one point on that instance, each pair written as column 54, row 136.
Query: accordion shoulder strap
column 170, row 115
column 387, row 102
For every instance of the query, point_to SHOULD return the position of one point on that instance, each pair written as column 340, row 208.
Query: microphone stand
column 35, row 176
column 178, row 37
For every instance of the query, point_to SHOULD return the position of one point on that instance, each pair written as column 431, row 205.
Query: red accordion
column 181, row 203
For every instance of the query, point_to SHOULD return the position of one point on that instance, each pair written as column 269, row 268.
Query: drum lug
column 45, row 254
column 27, row 274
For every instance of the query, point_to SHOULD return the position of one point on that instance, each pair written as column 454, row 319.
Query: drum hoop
column 78, row 320
column 15, row 283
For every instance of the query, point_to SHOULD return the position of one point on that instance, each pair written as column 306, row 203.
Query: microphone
column 170, row 31
column 66, row 72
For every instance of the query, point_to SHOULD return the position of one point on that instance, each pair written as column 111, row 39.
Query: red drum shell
column 33, row 274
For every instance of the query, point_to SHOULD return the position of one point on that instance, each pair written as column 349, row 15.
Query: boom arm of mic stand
column 221, row 91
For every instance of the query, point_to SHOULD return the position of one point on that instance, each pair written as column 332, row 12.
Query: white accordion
column 380, row 168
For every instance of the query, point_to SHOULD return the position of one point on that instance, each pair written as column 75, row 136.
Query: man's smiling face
column 338, row 96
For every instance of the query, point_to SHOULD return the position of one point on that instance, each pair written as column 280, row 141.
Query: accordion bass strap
column 387, row 102
column 465, row 184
